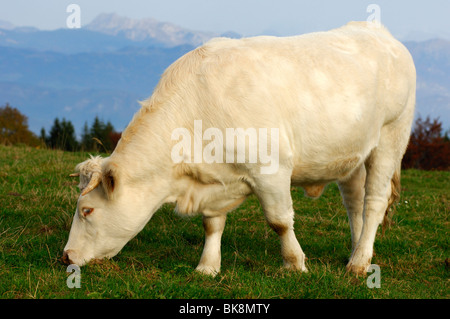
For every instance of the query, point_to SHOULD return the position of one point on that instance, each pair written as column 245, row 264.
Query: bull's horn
column 74, row 175
column 93, row 183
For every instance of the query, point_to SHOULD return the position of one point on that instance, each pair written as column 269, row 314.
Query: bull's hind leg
column 352, row 191
column 378, row 188
column 383, row 165
column 275, row 198
column 210, row 260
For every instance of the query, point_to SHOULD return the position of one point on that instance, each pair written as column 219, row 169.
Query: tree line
column 99, row 137
column 428, row 148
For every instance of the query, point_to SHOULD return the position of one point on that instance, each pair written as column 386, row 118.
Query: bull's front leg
column 273, row 192
column 283, row 224
column 211, row 256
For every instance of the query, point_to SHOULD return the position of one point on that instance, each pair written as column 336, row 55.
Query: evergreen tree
column 62, row 136
column 43, row 135
column 70, row 142
column 96, row 133
column 86, row 138
column 55, row 137
column 102, row 136
column 109, row 129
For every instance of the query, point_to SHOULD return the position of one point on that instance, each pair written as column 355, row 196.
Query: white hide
column 343, row 102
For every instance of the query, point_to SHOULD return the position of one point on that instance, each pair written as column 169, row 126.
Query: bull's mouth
column 65, row 259
column 70, row 257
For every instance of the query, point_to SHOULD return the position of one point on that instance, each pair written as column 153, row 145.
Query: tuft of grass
column 38, row 199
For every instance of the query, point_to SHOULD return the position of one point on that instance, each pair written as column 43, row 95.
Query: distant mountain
column 106, row 67
column 6, row 25
column 80, row 86
column 106, row 33
column 432, row 60
column 68, row 41
column 134, row 70
column 136, row 30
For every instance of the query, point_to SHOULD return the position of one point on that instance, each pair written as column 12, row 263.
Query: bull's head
column 109, row 212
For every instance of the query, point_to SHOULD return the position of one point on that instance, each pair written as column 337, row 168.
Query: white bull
column 342, row 103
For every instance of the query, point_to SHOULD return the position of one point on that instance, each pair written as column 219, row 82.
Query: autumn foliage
column 427, row 148
column 14, row 128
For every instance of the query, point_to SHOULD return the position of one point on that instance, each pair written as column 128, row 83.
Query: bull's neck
column 143, row 146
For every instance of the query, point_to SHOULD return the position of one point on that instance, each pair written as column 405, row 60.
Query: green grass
column 38, row 199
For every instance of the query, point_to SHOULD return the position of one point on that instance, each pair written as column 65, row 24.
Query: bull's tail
column 395, row 196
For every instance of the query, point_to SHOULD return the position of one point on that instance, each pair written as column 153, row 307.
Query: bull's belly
column 313, row 175
column 333, row 157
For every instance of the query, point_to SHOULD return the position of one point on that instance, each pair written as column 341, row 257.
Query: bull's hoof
column 359, row 270
column 295, row 268
column 295, row 263
column 207, row 270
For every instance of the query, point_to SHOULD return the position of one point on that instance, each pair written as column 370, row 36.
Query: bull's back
column 329, row 93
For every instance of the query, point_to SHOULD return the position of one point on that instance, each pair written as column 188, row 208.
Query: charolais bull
column 257, row 115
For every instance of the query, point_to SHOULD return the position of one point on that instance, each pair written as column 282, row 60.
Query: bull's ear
column 109, row 182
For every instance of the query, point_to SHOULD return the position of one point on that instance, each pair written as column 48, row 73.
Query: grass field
column 38, row 199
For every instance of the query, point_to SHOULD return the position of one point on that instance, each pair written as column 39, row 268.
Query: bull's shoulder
column 198, row 190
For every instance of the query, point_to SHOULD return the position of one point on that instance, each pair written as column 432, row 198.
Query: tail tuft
column 395, row 196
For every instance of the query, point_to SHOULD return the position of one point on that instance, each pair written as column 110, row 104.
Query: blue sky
column 247, row 17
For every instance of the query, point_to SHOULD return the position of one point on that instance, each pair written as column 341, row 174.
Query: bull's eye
column 86, row 211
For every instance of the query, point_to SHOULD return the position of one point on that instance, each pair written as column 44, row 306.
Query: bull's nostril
column 65, row 258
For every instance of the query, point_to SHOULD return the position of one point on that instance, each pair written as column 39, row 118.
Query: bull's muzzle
column 65, row 258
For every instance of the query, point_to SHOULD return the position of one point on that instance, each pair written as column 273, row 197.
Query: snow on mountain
column 147, row 28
